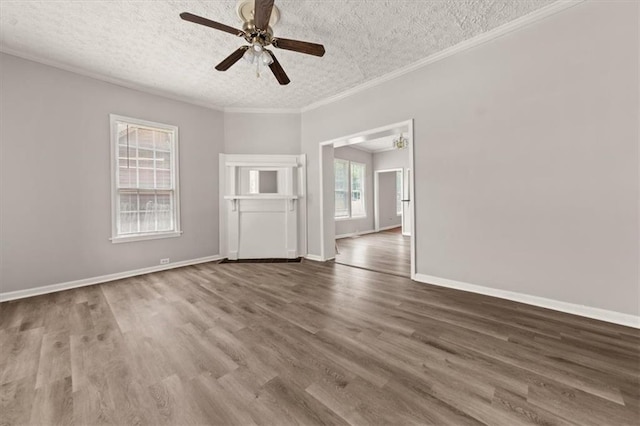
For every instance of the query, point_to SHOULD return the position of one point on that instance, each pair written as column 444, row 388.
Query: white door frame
column 327, row 252
column 376, row 197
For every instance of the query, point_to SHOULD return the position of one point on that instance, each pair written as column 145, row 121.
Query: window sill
column 340, row 219
column 142, row 237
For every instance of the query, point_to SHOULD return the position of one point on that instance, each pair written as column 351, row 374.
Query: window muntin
column 145, row 181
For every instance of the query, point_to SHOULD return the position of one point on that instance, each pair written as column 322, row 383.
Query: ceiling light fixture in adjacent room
column 400, row 142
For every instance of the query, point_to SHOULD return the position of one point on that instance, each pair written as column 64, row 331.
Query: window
column 399, row 192
column 349, row 189
column 145, row 201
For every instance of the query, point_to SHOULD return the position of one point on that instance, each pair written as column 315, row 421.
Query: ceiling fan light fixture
column 249, row 56
column 258, row 17
column 266, row 58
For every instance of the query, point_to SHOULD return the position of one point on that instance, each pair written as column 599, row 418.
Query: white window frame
column 114, row 119
column 350, row 216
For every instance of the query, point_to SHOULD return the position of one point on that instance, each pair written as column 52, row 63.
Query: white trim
column 314, row 257
column 516, row 24
column 111, row 80
column 386, row 228
column 144, row 237
column 323, row 249
column 21, row 294
column 249, row 110
column 412, row 199
column 556, row 305
column 355, row 234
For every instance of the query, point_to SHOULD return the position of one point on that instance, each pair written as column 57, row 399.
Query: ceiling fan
column 256, row 30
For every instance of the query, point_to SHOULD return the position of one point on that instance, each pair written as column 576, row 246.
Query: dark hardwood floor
column 386, row 251
column 307, row 343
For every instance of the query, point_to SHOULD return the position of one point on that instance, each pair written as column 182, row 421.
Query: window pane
column 147, row 212
column 341, row 173
column 145, row 138
column 129, row 223
column 145, row 158
column 342, row 206
column 357, row 189
column 163, row 160
column 128, row 202
column 163, row 179
column 164, row 212
column 163, row 140
column 127, row 177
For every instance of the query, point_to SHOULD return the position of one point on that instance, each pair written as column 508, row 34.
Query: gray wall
column 55, row 189
column 394, row 159
column 388, row 215
column 354, row 226
column 256, row 133
column 526, row 157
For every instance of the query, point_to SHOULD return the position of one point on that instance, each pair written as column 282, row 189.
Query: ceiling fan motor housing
column 254, row 35
column 246, row 10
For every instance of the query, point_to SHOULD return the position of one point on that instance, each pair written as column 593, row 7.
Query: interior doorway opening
column 367, row 199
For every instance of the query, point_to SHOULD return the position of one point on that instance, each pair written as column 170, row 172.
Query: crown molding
column 497, row 32
column 241, row 110
column 110, row 80
column 516, row 24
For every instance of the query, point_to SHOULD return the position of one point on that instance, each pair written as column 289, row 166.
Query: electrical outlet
column 164, row 261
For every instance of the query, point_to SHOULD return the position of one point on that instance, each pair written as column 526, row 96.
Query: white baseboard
column 386, row 228
column 314, row 257
column 570, row 308
column 21, row 294
column 355, row 234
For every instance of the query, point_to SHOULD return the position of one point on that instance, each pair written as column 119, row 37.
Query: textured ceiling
column 145, row 43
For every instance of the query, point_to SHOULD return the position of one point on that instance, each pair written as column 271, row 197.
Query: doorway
column 367, row 199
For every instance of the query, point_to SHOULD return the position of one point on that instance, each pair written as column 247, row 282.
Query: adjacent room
column 305, row 212
column 373, row 180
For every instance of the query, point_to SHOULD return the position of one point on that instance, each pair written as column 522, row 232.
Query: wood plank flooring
column 386, row 251
column 308, row 343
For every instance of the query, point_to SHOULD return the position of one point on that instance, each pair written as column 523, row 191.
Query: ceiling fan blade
column 299, row 46
column 277, row 70
column 231, row 59
column 212, row 24
column 262, row 13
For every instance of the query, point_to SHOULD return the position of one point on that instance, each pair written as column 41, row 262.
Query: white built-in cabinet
column 260, row 205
